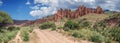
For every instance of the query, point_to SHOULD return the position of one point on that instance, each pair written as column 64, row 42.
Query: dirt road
column 47, row 36
column 17, row 39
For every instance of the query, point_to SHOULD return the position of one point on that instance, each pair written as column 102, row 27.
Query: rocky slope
column 67, row 13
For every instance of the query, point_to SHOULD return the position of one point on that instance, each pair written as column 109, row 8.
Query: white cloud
column 51, row 6
column 28, row 2
column 35, row 7
column 42, row 12
column 1, row 3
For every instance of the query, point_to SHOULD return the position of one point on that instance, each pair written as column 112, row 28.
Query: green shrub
column 66, row 29
column 47, row 25
column 25, row 36
column 2, row 30
column 7, row 35
column 71, row 25
column 115, row 33
column 54, row 28
column 97, row 38
column 25, row 33
column 84, row 24
column 1, row 38
column 11, row 28
column 30, row 29
column 77, row 34
column 100, row 25
column 60, row 27
column 87, row 34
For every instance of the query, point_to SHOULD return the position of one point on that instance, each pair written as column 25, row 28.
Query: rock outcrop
column 68, row 13
column 82, row 10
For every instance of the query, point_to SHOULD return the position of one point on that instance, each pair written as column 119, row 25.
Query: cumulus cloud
column 43, row 8
column 40, row 12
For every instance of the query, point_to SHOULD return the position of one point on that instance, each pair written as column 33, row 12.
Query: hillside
column 19, row 22
column 92, row 17
column 59, row 21
column 61, row 14
column 84, row 25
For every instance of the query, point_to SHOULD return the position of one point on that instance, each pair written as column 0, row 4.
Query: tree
column 5, row 19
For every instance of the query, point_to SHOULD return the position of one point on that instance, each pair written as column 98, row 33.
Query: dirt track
column 47, row 36
column 17, row 39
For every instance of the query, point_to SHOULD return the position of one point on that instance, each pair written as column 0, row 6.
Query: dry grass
column 93, row 17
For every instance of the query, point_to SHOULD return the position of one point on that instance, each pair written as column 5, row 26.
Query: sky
column 35, row 9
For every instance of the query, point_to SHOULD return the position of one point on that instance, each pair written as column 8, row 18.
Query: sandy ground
column 17, row 39
column 47, row 36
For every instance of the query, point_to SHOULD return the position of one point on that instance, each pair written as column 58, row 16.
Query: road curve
column 47, row 36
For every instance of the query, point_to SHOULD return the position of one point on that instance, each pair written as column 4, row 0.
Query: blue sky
column 17, row 9
column 35, row 9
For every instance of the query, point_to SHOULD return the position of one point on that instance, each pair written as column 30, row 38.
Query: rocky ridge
column 68, row 13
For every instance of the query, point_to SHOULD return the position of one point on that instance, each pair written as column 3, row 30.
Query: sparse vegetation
column 71, row 25
column 115, row 33
column 99, row 32
column 7, row 35
column 87, row 34
column 12, row 28
column 97, row 38
column 25, row 33
column 47, row 25
column 84, row 23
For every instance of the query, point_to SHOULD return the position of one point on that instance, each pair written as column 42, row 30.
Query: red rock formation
column 61, row 13
column 99, row 10
column 82, row 10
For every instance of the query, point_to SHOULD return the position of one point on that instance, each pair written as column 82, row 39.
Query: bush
column 115, row 33
column 1, row 30
column 66, row 29
column 77, row 34
column 47, row 25
column 25, row 36
column 11, row 28
column 71, row 25
column 101, row 24
column 60, row 27
column 25, row 33
column 30, row 29
column 54, row 28
column 87, row 34
column 0, row 37
column 84, row 24
column 7, row 35
column 97, row 38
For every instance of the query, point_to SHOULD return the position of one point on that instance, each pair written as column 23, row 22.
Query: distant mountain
column 19, row 22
